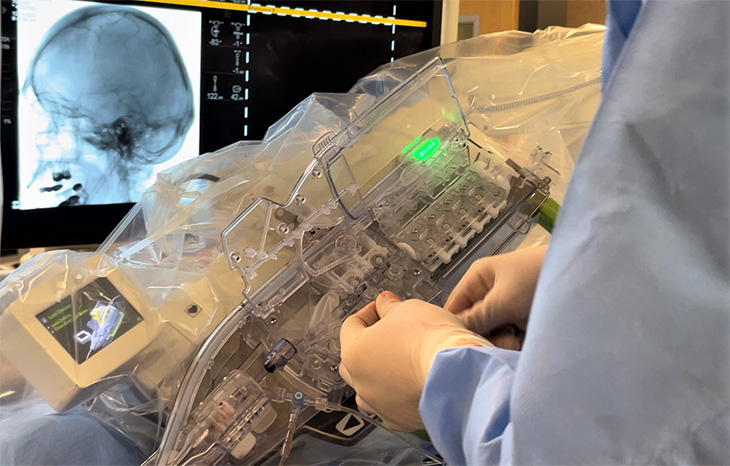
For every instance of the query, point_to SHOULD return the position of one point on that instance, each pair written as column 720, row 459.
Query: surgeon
column 627, row 314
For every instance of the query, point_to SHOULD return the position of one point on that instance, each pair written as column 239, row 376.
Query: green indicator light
column 413, row 143
column 426, row 149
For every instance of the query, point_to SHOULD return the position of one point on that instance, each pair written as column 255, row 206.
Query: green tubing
column 548, row 213
column 422, row 434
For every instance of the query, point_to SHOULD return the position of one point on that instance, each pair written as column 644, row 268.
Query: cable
column 539, row 98
column 199, row 455
column 321, row 404
column 297, row 403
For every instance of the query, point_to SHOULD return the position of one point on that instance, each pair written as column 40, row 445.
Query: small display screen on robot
column 89, row 320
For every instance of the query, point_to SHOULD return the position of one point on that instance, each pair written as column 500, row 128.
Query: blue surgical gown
column 44, row 437
column 626, row 356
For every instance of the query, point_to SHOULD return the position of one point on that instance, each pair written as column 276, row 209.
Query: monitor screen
column 98, row 97
column 102, row 316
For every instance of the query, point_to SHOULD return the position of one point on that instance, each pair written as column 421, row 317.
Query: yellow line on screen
column 308, row 14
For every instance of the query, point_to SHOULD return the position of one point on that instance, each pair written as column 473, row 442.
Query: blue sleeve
column 627, row 354
column 620, row 18
column 465, row 404
column 35, row 435
column 626, row 358
column 470, row 423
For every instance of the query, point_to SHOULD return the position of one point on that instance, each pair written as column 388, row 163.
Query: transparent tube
column 193, row 378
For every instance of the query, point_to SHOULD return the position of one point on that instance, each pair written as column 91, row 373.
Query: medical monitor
column 98, row 97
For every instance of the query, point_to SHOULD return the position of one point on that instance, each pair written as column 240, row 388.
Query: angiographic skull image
column 117, row 99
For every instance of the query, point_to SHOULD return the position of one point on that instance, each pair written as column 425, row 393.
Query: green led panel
column 426, row 149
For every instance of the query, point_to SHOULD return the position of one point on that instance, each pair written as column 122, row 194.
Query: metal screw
column 235, row 257
column 334, row 367
column 300, row 199
column 316, row 173
column 416, row 272
column 282, row 228
column 273, row 320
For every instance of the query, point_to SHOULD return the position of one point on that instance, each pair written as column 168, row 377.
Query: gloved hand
column 387, row 350
column 494, row 296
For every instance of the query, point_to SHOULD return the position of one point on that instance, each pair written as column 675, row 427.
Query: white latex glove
column 388, row 348
column 494, row 296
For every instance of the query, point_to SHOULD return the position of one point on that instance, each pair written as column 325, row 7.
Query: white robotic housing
column 70, row 348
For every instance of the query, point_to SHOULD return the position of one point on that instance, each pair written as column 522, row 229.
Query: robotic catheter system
column 209, row 319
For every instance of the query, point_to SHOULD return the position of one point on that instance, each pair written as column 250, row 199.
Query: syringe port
column 279, row 355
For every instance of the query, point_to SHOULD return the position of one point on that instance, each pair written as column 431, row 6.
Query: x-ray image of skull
column 117, row 100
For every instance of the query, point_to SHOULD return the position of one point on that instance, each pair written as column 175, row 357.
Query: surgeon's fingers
column 486, row 315
column 507, row 337
column 513, row 343
column 357, row 322
column 473, row 286
column 363, row 405
column 345, row 374
column 367, row 409
column 385, row 302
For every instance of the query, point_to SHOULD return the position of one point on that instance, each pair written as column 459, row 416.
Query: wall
column 494, row 15
column 528, row 15
column 580, row 12
column 539, row 14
